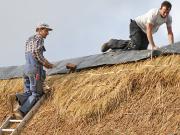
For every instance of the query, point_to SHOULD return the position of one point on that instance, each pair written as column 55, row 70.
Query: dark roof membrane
column 108, row 58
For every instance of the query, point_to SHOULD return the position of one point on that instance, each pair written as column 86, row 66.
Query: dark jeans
column 118, row 44
column 138, row 37
column 139, row 40
column 32, row 92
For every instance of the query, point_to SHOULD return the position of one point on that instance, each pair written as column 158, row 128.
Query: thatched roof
column 132, row 98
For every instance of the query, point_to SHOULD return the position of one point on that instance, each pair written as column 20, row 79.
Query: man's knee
column 22, row 97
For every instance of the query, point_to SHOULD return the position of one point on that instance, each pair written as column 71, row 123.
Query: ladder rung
column 18, row 121
column 22, row 122
column 7, row 130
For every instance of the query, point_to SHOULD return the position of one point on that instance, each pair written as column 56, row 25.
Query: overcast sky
column 80, row 26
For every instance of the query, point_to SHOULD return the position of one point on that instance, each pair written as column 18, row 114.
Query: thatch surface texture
column 140, row 98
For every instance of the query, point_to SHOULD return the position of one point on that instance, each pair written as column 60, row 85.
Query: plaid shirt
column 35, row 45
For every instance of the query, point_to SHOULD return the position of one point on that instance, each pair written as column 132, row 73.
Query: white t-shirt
column 153, row 17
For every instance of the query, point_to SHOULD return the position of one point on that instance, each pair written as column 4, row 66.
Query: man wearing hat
column 34, row 75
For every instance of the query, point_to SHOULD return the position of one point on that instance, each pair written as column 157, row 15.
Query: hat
column 43, row 25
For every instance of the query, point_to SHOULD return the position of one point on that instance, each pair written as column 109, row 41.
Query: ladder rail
column 6, row 123
column 22, row 122
column 29, row 115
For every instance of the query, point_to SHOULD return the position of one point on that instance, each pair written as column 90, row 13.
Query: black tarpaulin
column 108, row 58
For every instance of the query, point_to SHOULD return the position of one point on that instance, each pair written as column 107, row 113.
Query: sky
column 80, row 27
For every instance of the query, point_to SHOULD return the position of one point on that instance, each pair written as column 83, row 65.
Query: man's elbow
column 170, row 33
column 171, row 36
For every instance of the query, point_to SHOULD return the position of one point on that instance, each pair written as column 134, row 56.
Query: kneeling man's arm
column 170, row 35
column 149, row 28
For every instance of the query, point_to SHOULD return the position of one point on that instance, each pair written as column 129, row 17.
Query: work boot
column 105, row 47
column 16, row 107
column 19, row 115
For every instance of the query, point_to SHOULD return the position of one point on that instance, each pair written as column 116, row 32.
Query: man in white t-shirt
column 142, row 28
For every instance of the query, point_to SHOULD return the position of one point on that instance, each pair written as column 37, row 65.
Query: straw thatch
column 136, row 98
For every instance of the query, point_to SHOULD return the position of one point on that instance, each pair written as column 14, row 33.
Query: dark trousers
column 32, row 92
column 138, row 37
column 139, row 40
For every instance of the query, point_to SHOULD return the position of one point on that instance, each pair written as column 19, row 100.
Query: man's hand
column 49, row 65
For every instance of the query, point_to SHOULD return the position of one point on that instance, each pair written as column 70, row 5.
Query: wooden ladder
column 20, row 123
